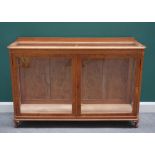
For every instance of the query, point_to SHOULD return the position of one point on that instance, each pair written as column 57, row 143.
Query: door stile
column 138, row 79
column 15, row 84
column 74, row 88
column 78, row 85
column 136, row 86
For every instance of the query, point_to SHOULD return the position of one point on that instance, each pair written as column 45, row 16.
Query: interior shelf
column 105, row 108
column 46, row 108
column 67, row 108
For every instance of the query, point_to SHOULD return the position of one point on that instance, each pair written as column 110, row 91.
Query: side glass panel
column 107, row 85
column 45, row 85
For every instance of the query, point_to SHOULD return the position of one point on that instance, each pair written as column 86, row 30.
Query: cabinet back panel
column 106, row 80
column 116, row 74
column 61, row 79
column 35, row 79
column 92, row 77
column 47, row 79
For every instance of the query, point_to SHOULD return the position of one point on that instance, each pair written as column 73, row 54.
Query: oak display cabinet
column 79, row 79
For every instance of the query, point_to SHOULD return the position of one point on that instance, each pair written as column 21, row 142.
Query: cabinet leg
column 134, row 124
column 17, row 124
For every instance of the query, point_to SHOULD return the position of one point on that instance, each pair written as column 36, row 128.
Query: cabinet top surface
column 75, row 43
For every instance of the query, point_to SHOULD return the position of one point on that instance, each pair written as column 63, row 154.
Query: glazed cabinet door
column 107, row 85
column 46, row 85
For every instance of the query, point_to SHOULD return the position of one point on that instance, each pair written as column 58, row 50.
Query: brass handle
column 25, row 62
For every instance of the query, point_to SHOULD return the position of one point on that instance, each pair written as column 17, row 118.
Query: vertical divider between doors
column 77, row 85
column 79, row 71
column 74, row 89
column 74, row 85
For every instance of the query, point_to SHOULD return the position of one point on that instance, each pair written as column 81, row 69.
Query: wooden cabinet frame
column 77, row 54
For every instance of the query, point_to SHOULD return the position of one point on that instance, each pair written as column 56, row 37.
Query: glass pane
column 46, row 85
column 107, row 85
